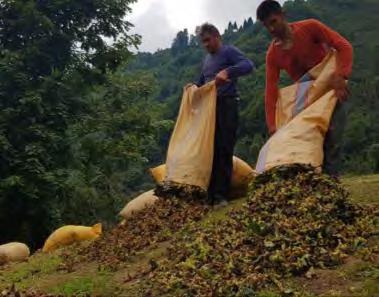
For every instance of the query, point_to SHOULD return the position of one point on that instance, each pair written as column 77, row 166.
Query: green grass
column 363, row 189
column 26, row 274
column 219, row 214
column 370, row 288
column 81, row 286
column 366, row 275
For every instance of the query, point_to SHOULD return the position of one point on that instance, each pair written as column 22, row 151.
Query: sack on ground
column 70, row 234
column 13, row 252
column 303, row 114
column 241, row 176
column 138, row 204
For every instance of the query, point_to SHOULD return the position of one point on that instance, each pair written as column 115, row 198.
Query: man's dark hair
column 267, row 8
column 208, row 29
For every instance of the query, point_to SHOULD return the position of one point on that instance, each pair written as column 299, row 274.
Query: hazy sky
column 158, row 21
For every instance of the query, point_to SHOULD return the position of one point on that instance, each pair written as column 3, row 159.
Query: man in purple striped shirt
column 224, row 64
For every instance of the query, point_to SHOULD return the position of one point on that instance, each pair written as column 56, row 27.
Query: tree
column 229, row 28
column 112, row 148
column 194, row 41
column 51, row 53
column 248, row 24
column 180, row 42
column 373, row 154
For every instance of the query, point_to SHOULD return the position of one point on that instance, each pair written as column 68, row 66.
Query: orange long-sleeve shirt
column 311, row 42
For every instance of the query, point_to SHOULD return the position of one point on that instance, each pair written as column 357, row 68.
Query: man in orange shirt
column 296, row 48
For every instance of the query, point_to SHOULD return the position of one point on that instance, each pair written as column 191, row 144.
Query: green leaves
column 10, row 182
column 156, row 224
column 295, row 220
column 65, row 112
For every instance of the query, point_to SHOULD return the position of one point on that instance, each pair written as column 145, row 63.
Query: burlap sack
column 303, row 114
column 70, row 234
column 13, row 252
column 138, row 204
column 241, row 176
column 190, row 152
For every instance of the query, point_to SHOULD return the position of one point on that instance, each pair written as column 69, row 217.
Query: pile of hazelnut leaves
column 170, row 189
column 295, row 220
column 155, row 224
column 13, row 292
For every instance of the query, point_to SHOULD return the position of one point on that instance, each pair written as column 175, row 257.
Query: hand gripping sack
column 303, row 114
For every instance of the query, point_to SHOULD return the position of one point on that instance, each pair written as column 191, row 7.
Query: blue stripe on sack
column 261, row 164
column 262, row 158
column 306, row 77
column 304, row 84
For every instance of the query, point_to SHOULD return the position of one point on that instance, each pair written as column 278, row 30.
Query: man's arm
column 324, row 34
column 240, row 64
column 272, row 91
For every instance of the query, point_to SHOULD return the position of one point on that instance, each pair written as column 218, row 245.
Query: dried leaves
column 155, row 224
column 169, row 189
column 13, row 292
column 295, row 219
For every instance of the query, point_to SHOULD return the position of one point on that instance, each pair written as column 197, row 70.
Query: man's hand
column 339, row 84
column 188, row 86
column 222, row 77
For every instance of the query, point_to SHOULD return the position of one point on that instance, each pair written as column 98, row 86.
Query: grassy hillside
column 358, row 276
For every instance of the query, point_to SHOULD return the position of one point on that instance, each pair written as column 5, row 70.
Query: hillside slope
column 54, row 274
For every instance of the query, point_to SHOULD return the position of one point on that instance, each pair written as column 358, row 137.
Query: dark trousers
column 333, row 140
column 225, row 140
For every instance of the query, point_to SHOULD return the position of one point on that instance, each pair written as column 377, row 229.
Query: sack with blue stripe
column 303, row 114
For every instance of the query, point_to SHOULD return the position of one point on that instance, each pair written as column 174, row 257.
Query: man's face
column 211, row 42
column 276, row 25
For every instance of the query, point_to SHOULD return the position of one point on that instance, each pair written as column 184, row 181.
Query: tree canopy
column 72, row 138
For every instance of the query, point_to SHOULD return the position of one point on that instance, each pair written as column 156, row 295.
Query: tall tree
column 180, row 42
column 194, row 41
column 50, row 54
